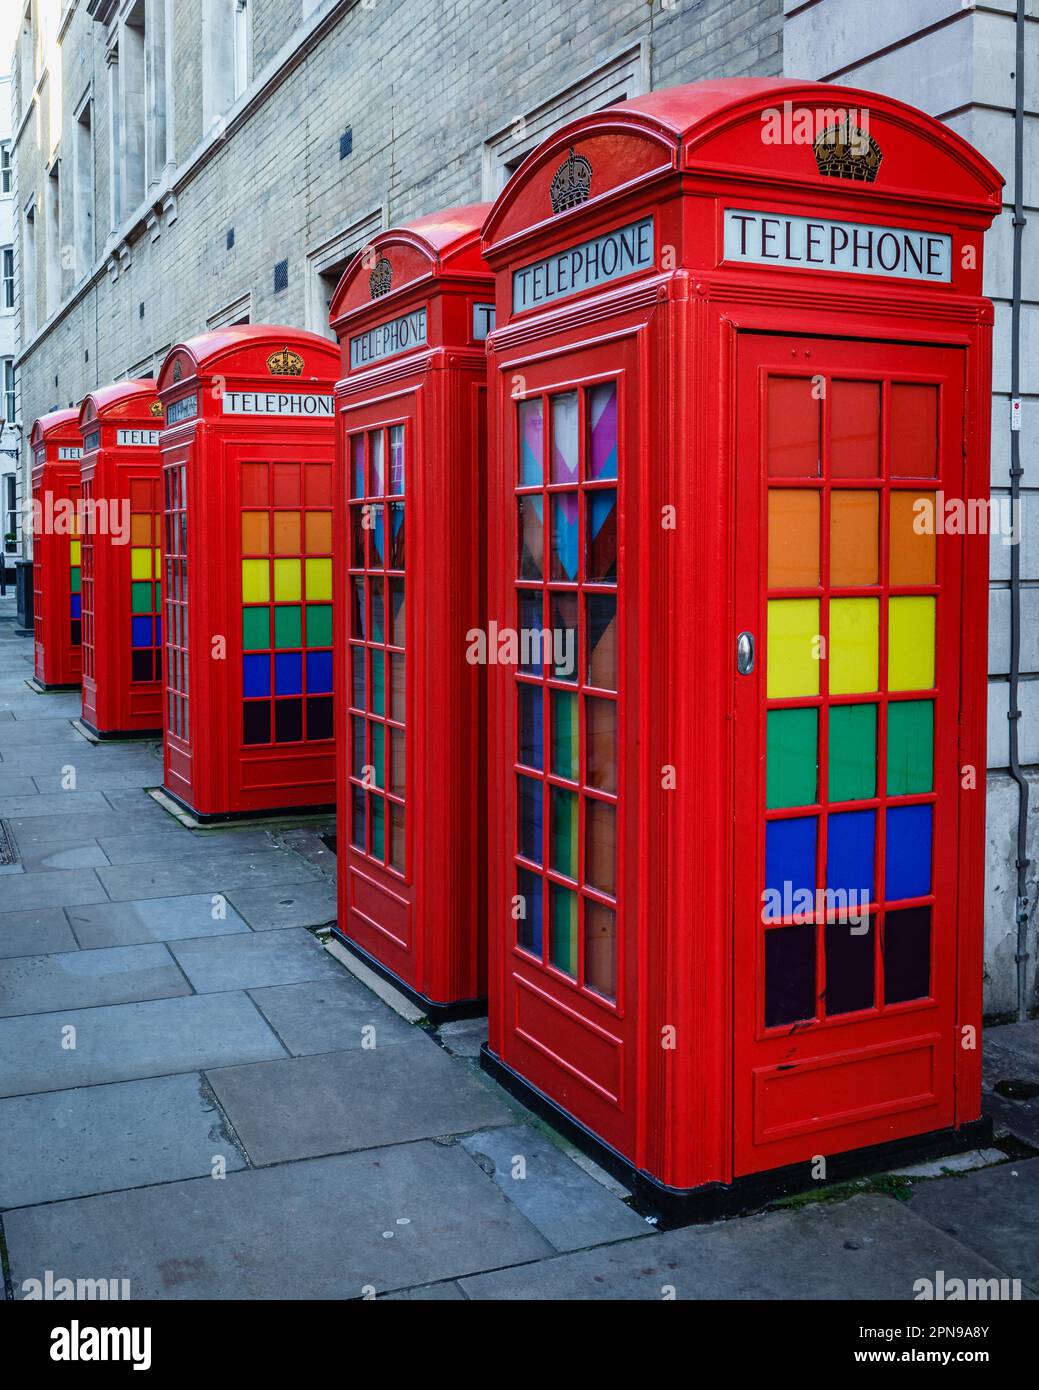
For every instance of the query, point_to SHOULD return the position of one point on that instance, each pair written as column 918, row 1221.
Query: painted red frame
column 423, row 925
column 207, row 767
column 57, row 447
column 681, row 157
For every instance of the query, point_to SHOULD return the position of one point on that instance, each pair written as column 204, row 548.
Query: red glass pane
column 793, row 428
column 854, row 429
column 914, row 430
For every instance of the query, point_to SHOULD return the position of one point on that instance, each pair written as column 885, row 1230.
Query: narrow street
column 197, row 1097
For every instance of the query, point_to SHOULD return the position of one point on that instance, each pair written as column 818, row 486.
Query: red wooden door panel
column 845, row 901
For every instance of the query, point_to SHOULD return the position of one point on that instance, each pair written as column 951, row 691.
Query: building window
column 115, row 131
column 9, row 414
column 11, row 514
column 326, row 263
column 83, row 188
column 29, row 273
column 226, row 56
column 242, row 47
column 53, row 239
column 238, row 312
column 5, row 166
column 7, row 259
column 624, row 76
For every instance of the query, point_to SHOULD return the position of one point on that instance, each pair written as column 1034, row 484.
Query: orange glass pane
column 286, row 533
column 793, row 538
column 255, row 540
column 914, row 430
column 912, row 538
column 793, row 428
column 319, row 532
column 854, row 533
column 855, row 429
column 141, row 529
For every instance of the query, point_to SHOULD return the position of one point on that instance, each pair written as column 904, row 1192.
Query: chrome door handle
column 745, row 653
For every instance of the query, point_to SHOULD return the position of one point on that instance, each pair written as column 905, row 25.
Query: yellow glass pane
column 793, row 662
column 256, row 582
column 793, row 538
column 140, row 563
column 158, row 564
column 75, row 552
column 854, row 534
column 319, row 532
column 912, row 550
column 141, row 529
column 286, row 581
column 255, row 539
column 319, row 579
column 910, row 643
column 286, row 533
column 854, row 644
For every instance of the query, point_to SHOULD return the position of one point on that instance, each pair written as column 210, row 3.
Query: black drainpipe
column 1021, row 909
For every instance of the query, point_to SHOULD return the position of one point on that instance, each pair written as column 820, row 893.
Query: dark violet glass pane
column 849, row 966
column 531, row 535
column 602, row 430
column 531, row 736
column 288, row 721
column 531, row 628
column 565, row 656
column 602, row 537
column 256, row 721
column 907, row 954
column 564, row 537
column 529, row 818
column 530, row 915
column 319, row 717
column 531, row 443
column 358, row 627
column 789, row 974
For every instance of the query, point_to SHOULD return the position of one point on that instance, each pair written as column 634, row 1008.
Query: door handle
column 745, row 653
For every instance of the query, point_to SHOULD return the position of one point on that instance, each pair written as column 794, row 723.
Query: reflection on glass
column 565, row 447
column 602, row 641
column 531, row 443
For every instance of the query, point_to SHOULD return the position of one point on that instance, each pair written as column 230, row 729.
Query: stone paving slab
column 58, row 888
column 52, row 804
column 35, row 933
column 34, row 830
column 16, row 784
column 287, row 904
column 251, row 961
column 448, row 1292
column 101, row 779
column 566, row 1204
column 329, row 1228
column 154, row 919
column 993, row 1210
column 155, row 845
column 330, row 1015
column 165, row 878
column 1010, row 1083
column 120, row 1043
column 61, row 854
column 864, row 1249
column 27, row 731
column 337, row 1102
column 100, row 1138
column 86, row 979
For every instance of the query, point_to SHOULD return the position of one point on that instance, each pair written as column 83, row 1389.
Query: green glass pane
column 74, row 586
column 378, row 684
column 288, row 626
column 319, row 624
column 564, row 832
column 792, row 760
column 376, row 807
column 379, row 754
column 910, row 747
column 256, row 629
column 564, row 929
column 853, row 752
column 565, row 747
column 141, row 598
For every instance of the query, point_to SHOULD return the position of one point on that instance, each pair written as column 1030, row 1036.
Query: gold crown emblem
column 285, row 363
column 571, row 182
column 846, row 151
column 156, row 408
column 178, row 370
column 381, row 278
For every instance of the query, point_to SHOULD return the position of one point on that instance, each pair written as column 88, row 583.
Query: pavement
column 196, row 1096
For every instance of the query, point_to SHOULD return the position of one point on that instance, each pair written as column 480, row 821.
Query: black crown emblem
column 571, row 182
column 846, row 151
column 381, row 278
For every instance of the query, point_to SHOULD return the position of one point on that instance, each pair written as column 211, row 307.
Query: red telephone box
column 412, row 313
column 247, row 455
column 736, row 804
column 121, row 561
column 57, row 598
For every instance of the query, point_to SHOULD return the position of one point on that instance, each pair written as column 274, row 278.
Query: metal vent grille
column 8, row 849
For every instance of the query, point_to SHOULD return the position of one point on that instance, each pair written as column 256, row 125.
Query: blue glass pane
column 528, row 926
column 849, row 854
column 908, row 852
column 288, row 673
column 256, row 675
column 789, row 862
column 319, row 673
column 158, row 632
column 77, row 605
column 142, row 632
column 564, row 536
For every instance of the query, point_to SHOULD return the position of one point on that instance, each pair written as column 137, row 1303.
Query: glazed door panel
column 847, row 779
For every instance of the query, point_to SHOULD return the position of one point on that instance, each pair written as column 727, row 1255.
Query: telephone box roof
column 120, row 398
column 54, row 422
column 229, row 349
